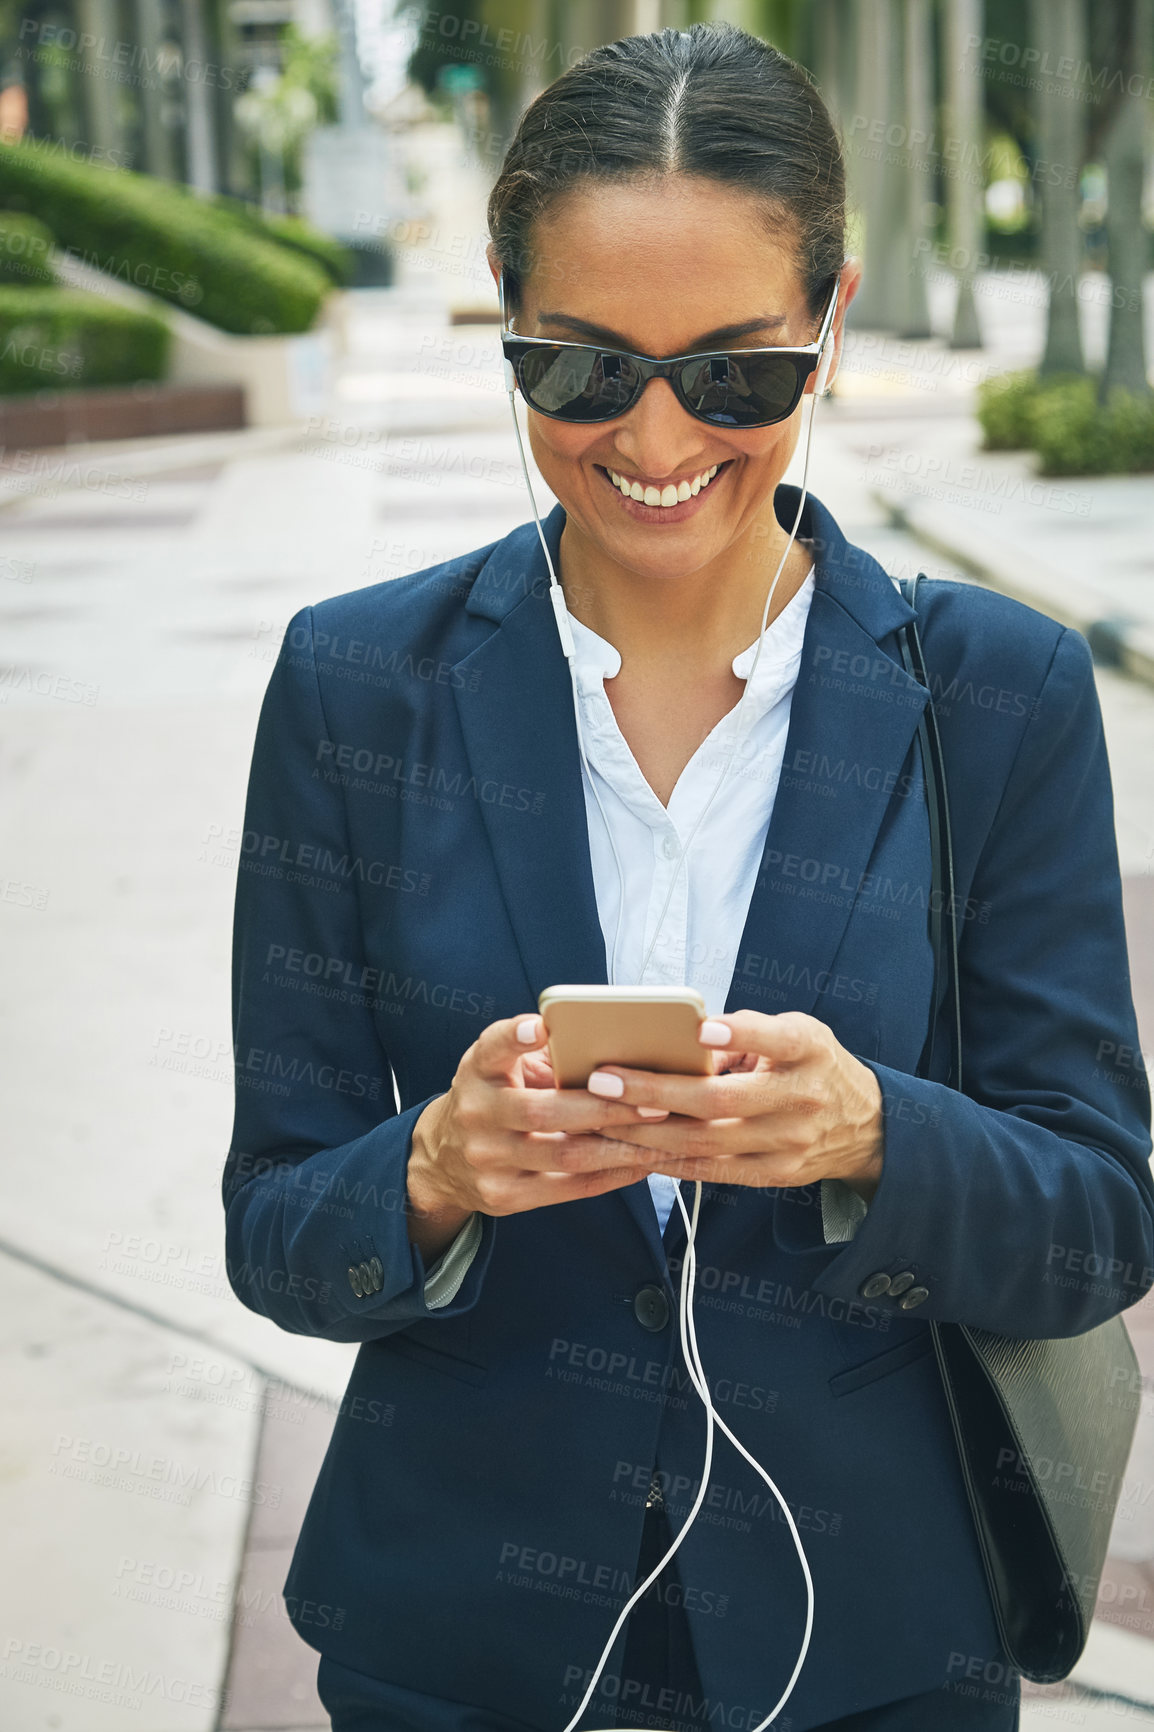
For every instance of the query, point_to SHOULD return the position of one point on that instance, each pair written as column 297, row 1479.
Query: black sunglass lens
column 741, row 392
column 578, row 384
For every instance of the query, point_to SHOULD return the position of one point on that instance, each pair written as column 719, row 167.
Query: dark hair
column 712, row 101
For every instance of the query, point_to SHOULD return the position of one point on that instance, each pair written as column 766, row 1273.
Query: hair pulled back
column 712, row 101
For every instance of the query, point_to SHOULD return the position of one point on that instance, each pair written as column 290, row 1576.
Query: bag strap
column 943, row 902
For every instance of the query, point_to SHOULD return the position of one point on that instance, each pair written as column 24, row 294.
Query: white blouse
column 712, row 886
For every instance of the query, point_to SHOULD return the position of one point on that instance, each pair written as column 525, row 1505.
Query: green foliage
column 1064, row 421
column 1004, row 406
column 61, row 339
column 279, row 110
column 162, row 238
column 302, row 237
column 293, row 232
column 1068, row 430
column 1075, row 434
column 25, row 250
column 310, row 63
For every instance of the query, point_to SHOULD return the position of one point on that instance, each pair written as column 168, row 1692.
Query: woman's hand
column 504, row 1139
column 789, row 1106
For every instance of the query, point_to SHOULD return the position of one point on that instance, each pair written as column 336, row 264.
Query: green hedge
column 295, row 233
column 161, row 238
column 61, row 339
column 1063, row 420
column 25, row 250
column 1005, row 404
column 1075, row 434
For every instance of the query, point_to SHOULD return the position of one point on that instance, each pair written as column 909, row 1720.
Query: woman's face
column 664, row 268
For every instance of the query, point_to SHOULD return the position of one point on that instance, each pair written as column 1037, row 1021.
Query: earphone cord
column 687, row 1325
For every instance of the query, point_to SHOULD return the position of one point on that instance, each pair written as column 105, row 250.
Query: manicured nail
column 527, row 1030
column 714, row 1033
column 601, row 1082
column 654, row 1112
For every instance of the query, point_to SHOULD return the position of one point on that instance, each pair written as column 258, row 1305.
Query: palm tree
column 1125, row 27
column 963, row 126
column 1058, row 30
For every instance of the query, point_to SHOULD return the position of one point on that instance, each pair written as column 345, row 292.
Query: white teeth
column 670, row 494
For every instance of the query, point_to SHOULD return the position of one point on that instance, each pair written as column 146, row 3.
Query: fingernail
column 654, row 1112
column 601, row 1082
column 714, row 1033
column 527, row 1030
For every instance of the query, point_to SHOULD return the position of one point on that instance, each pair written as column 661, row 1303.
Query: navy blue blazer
column 415, row 864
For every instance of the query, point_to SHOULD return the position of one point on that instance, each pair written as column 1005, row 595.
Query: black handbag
column 1043, row 1428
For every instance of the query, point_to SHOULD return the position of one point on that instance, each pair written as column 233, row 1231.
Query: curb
column 1116, row 640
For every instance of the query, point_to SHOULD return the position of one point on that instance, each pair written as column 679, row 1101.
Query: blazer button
column 355, row 1282
column 875, row 1286
column 899, row 1283
column 367, row 1282
column 378, row 1269
column 914, row 1297
column 651, row 1308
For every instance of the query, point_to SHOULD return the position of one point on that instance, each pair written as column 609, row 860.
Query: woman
column 425, row 851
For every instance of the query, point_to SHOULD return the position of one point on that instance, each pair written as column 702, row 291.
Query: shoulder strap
column 943, row 904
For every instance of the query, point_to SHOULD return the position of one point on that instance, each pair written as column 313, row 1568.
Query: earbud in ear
column 510, row 376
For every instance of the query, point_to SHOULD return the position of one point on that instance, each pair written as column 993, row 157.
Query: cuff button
column 355, row 1282
column 901, row 1283
column 914, row 1297
column 875, row 1286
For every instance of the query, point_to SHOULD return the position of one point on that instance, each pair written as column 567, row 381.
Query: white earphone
column 689, row 1267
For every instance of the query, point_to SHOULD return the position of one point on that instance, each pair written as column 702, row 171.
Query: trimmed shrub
column 1074, row 434
column 1068, row 430
column 1061, row 418
column 1004, row 406
column 1131, row 422
column 61, row 339
column 25, row 250
column 162, row 238
column 295, row 233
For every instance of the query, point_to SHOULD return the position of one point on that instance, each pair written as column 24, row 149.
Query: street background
column 159, row 1441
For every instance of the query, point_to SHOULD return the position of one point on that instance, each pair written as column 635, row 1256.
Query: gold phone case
column 640, row 1027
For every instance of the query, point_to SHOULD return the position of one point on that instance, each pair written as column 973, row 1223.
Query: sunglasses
column 724, row 388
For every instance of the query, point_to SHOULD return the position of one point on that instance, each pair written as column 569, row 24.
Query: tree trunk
column 1058, row 30
column 965, row 200
column 872, row 178
column 914, row 316
column 1125, row 231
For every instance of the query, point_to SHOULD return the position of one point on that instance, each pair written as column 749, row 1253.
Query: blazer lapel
column 854, row 708
column 515, row 703
column 852, row 729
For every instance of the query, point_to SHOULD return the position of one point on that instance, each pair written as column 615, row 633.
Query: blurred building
column 149, row 84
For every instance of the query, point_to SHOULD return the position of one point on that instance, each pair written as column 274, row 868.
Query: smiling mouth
column 666, row 497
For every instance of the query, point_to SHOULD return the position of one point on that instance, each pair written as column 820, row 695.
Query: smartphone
column 640, row 1027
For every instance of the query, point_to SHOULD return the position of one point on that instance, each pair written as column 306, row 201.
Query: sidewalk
column 1080, row 548
column 164, row 1440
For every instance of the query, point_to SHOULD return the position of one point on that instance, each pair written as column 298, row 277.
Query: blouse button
column 671, row 847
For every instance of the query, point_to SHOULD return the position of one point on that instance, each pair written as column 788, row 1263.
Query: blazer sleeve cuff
column 842, row 1211
column 443, row 1282
column 933, row 1242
